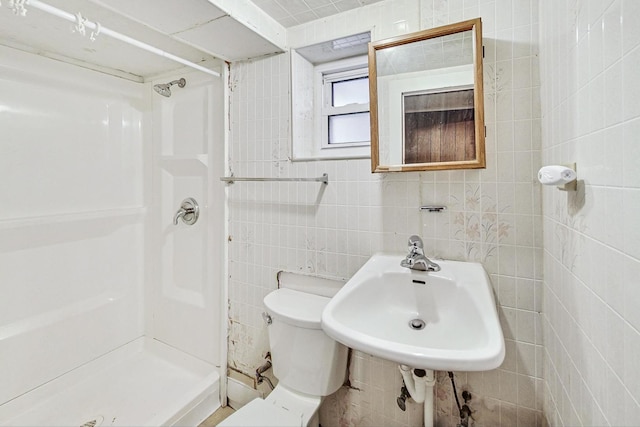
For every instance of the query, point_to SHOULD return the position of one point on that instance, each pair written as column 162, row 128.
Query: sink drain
column 417, row 324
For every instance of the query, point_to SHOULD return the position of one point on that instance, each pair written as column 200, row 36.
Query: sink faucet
column 416, row 260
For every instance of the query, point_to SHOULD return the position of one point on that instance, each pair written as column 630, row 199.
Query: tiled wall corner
column 494, row 214
column 591, row 116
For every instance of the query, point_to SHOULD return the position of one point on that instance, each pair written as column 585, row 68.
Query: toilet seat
column 282, row 408
column 259, row 412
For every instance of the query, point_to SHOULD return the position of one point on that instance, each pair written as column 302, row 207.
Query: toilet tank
column 304, row 358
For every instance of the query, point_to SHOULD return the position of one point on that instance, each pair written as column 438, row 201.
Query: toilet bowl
column 308, row 364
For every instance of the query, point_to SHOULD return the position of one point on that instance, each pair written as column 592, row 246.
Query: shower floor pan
column 144, row 383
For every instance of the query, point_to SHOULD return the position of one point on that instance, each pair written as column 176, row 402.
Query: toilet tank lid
column 296, row 308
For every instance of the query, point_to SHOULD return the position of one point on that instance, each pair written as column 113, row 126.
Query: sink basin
column 442, row 321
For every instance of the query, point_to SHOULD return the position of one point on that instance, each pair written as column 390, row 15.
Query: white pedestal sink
column 445, row 320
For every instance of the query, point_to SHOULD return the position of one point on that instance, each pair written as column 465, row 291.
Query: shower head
column 165, row 88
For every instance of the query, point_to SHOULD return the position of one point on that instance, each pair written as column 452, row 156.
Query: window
column 345, row 109
column 330, row 101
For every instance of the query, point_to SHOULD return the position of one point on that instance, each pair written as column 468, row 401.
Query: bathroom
column 80, row 218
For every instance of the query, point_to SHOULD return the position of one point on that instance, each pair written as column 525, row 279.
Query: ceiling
column 40, row 33
column 294, row 12
column 195, row 30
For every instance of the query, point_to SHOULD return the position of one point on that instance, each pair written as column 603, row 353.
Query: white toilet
column 307, row 363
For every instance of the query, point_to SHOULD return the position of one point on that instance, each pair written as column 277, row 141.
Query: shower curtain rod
column 114, row 34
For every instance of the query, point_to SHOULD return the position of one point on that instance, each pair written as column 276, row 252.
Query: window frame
column 328, row 110
column 324, row 76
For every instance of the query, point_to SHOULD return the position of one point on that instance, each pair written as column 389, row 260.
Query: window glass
column 353, row 91
column 349, row 128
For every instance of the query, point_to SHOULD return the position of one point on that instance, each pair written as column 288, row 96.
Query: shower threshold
column 143, row 383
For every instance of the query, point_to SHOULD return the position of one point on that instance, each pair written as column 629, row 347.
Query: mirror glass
column 427, row 100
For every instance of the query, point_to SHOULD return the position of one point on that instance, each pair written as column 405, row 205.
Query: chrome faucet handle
column 189, row 212
column 416, row 246
column 180, row 214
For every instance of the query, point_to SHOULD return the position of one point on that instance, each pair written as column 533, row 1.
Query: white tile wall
column 494, row 214
column 591, row 115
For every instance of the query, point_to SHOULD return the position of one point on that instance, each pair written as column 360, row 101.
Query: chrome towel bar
column 231, row 179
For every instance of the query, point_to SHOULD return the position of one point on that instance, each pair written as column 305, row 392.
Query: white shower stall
column 110, row 314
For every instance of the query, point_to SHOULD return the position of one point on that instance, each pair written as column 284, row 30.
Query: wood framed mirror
column 427, row 100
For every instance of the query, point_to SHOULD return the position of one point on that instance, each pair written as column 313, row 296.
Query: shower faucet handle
column 189, row 212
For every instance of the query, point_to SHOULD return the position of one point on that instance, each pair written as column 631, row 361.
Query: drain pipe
column 420, row 383
column 429, row 383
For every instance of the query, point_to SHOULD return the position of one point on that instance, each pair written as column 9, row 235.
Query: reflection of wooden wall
column 439, row 136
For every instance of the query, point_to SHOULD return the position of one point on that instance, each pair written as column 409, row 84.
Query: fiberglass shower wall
column 184, row 298
column 72, row 212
